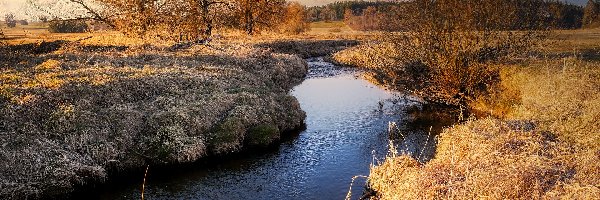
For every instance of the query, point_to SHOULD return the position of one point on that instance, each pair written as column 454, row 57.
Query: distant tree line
column 563, row 15
column 372, row 18
column 189, row 19
column 336, row 11
column 390, row 15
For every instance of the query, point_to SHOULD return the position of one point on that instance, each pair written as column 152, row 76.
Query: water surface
column 346, row 127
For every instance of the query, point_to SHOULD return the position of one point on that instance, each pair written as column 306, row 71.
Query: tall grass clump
column 544, row 142
column 484, row 158
column 547, row 146
column 565, row 99
column 454, row 45
column 72, row 115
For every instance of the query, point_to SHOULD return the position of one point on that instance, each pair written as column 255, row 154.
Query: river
column 346, row 131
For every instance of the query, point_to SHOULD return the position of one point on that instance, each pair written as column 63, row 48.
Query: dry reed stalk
column 144, row 183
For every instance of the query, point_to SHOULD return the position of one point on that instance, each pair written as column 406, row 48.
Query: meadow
column 79, row 107
column 533, row 135
column 105, row 103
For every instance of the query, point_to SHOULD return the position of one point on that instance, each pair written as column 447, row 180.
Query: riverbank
column 541, row 138
column 345, row 127
column 75, row 111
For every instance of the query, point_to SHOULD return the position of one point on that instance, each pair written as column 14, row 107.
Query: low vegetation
column 448, row 57
column 546, row 146
column 74, row 112
column 10, row 21
column 160, row 88
column 67, row 26
column 534, row 91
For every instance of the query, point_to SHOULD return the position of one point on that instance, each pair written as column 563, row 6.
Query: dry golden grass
column 488, row 159
column 322, row 27
column 572, row 41
column 72, row 112
column 37, row 32
column 545, row 144
column 373, row 55
column 565, row 99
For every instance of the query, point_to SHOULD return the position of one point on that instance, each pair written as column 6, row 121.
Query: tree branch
column 95, row 15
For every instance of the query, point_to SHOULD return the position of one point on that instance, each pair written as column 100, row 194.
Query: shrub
column 67, row 26
column 546, row 148
column 116, row 113
column 23, row 22
column 459, row 50
column 11, row 24
column 294, row 19
column 591, row 14
column 10, row 20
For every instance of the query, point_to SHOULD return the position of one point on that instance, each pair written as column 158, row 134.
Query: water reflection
column 346, row 126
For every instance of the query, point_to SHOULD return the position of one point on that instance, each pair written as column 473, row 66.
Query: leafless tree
column 10, row 21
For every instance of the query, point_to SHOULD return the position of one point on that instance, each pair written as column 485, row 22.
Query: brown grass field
column 539, row 139
column 77, row 107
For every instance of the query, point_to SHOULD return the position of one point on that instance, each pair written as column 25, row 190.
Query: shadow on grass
column 124, row 122
column 308, row 48
column 587, row 54
column 590, row 54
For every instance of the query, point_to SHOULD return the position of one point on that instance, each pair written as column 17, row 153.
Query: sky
column 20, row 10
column 315, row 2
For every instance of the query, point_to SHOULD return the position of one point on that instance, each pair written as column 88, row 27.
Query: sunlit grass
column 331, row 28
column 76, row 106
column 544, row 141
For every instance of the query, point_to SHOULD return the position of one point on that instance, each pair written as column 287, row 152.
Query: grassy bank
column 73, row 112
column 541, row 138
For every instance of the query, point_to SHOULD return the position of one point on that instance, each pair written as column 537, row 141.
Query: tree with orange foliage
column 294, row 21
column 591, row 14
column 255, row 14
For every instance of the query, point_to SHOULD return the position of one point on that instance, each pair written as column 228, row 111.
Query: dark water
column 346, row 127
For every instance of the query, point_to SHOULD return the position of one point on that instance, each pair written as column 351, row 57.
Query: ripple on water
column 344, row 126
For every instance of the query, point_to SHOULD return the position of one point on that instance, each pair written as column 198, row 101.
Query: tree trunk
column 144, row 18
column 206, row 19
column 249, row 22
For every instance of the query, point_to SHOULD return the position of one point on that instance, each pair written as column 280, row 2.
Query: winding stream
column 346, row 127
